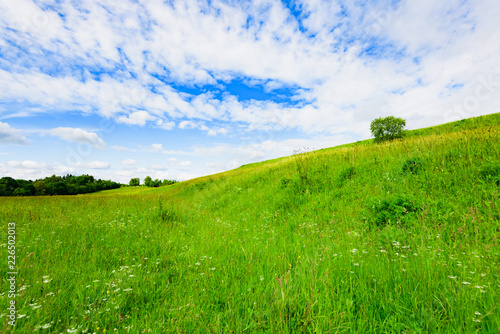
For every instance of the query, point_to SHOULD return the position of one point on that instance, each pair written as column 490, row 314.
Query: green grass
column 399, row 237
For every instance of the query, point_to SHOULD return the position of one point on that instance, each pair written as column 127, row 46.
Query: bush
column 345, row 175
column 412, row 166
column 134, row 182
column 387, row 128
column 490, row 172
column 394, row 209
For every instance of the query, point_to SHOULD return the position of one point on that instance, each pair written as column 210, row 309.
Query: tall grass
column 399, row 237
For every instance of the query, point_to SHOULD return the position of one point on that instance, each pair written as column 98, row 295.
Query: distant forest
column 54, row 185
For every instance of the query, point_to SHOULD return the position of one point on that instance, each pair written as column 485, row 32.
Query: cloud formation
column 78, row 136
column 10, row 135
column 339, row 60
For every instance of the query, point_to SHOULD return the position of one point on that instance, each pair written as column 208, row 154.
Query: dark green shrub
column 393, row 209
column 345, row 175
column 490, row 172
column 412, row 166
column 166, row 214
column 285, row 182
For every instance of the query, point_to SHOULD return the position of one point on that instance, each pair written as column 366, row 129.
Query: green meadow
column 396, row 237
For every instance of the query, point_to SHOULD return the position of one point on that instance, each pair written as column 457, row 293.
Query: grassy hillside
column 399, row 237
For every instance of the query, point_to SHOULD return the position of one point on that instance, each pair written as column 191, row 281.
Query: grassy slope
column 395, row 237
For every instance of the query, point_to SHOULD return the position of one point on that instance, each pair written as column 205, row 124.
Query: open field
column 398, row 237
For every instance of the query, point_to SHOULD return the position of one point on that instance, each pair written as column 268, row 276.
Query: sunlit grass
column 258, row 250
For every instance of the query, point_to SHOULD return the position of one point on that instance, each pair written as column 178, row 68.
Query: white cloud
column 93, row 165
column 165, row 125
column 26, row 164
column 30, row 170
column 10, row 135
column 62, row 170
column 335, row 75
column 129, row 162
column 32, row 165
column 214, row 132
column 187, row 125
column 176, row 162
column 155, row 148
column 78, row 135
column 136, row 118
column 14, row 163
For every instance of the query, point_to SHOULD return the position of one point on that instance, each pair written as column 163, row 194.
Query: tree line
column 55, row 185
column 149, row 182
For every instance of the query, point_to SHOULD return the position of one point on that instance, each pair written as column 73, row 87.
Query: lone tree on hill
column 387, row 128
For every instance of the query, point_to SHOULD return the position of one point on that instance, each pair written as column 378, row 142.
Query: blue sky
column 180, row 89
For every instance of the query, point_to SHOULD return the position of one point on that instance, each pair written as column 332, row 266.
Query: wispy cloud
column 78, row 136
column 10, row 135
column 342, row 57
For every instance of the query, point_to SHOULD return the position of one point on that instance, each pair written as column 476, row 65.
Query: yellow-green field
column 398, row 237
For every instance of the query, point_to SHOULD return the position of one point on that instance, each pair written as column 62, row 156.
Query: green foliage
column 55, row 185
column 40, row 187
column 7, row 186
column 412, row 166
column 396, row 209
column 168, row 182
column 387, row 128
column 285, row 182
column 490, row 172
column 134, row 182
column 345, row 175
column 148, row 182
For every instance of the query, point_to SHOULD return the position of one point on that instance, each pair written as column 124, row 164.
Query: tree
column 148, row 181
column 134, row 182
column 20, row 192
column 387, row 128
column 40, row 187
column 7, row 186
column 168, row 182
